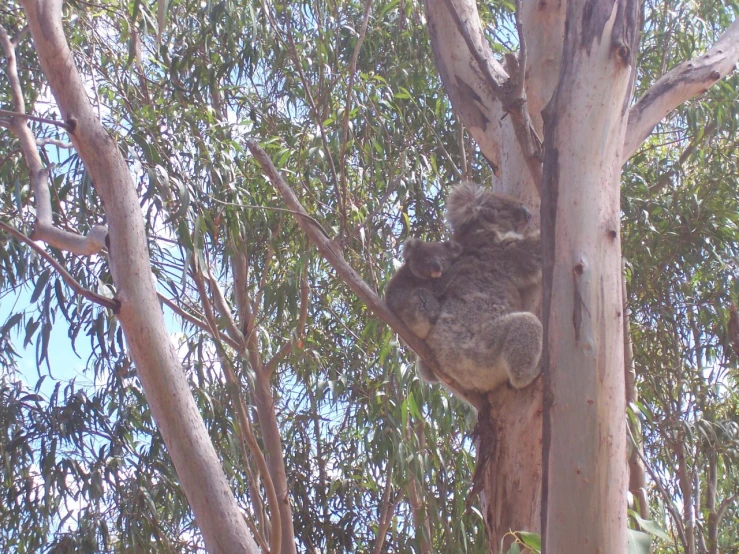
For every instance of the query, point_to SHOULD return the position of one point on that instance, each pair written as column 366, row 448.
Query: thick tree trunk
column 511, row 480
column 172, row 405
column 585, row 475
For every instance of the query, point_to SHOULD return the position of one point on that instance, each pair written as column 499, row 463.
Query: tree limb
column 246, row 433
column 346, row 273
column 73, row 284
column 690, row 78
column 158, row 367
column 44, row 228
column 286, row 348
column 509, row 90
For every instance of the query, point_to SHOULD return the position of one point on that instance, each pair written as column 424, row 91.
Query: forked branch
column 509, row 90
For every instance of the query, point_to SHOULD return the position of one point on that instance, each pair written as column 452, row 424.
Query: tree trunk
column 172, row 405
column 585, row 474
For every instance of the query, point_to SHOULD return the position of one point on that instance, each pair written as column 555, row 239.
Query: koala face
column 471, row 206
column 429, row 260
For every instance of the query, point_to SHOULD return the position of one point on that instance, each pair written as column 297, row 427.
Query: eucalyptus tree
column 253, row 167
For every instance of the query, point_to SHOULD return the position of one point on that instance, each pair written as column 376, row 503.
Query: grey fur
column 484, row 335
column 414, row 291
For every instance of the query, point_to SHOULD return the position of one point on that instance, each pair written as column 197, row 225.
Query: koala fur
column 484, row 335
column 413, row 292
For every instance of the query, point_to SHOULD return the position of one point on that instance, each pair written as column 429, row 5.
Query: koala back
column 483, row 332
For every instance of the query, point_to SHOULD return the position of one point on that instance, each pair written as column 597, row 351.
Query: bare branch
column 73, row 284
column 34, row 118
column 195, row 320
column 224, row 311
column 346, row 273
column 724, row 506
column 246, row 432
column 54, row 142
column 689, row 79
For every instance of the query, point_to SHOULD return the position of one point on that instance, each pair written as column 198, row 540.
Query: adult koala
column 484, row 335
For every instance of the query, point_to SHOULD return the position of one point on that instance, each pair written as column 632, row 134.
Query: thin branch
column 690, row 78
column 21, row 115
column 348, row 106
column 55, row 142
column 509, row 91
column 246, row 432
column 724, row 506
column 346, row 273
column 665, row 496
column 387, row 508
column 194, row 320
column 73, row 284
column 225, row 312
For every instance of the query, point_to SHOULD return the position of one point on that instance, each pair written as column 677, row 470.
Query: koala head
column 470, row 207
column 429, row 260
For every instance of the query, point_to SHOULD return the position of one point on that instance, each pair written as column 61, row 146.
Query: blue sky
column 65, row 364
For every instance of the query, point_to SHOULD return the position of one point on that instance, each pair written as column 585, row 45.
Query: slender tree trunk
column 172, row 405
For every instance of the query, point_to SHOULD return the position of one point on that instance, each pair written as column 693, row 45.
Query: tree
column 338, row 107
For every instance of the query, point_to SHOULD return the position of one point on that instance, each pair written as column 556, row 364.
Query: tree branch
column 194, row 320
column 689, row 79
column 73, row 284
column 509, row 90
column 159, row 369
column 346, row 273
column 44, row 228
column 246, row 432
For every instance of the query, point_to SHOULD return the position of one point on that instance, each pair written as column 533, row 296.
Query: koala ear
column 409, row 245
column 455, row 248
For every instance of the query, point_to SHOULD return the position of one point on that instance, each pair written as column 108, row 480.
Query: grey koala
column 485, row 336
column 413, row 292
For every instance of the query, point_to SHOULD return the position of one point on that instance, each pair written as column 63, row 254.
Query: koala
column 485, row 334
column 414, row 291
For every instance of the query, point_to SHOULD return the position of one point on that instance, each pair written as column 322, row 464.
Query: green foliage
column 83, row 468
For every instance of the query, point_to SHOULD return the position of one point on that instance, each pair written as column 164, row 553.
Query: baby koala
column 414, row 291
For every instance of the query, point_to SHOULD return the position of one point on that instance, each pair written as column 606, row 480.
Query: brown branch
column 194, row 320
column 282, row 353
column 71, row 282
column 665, row 497
column 20, row 115
column 387, row 508
column 510, row 92
column 724, row 506
column 225, row 312
column 247, row 436
column 346, row 273
column 246, row 432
